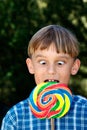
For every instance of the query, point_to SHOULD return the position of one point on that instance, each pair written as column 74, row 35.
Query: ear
column 75, row 67
column 30, row 65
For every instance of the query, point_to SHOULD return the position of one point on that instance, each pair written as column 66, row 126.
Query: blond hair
column 62, row 38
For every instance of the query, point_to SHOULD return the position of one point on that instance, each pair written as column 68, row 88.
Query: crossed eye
column 43, row 62
column 59, row 62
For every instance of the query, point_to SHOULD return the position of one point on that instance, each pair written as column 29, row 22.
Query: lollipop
column 50, row 100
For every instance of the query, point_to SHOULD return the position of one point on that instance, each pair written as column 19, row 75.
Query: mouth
column 51, row 80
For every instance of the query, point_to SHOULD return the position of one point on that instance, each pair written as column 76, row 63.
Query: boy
column 53, row 53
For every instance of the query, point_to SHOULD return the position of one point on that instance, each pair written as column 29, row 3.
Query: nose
column 51, row 69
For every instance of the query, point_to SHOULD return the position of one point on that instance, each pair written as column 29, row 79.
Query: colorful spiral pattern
column 50, row 100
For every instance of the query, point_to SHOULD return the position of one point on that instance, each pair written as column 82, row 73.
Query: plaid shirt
column 20, row 117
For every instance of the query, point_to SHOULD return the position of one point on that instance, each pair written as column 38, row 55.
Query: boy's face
column 48, row 65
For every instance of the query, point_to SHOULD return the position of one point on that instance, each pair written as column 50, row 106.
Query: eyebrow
column 60, row 56
column 39, row 55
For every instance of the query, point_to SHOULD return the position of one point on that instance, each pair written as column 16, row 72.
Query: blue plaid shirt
column 20, row 117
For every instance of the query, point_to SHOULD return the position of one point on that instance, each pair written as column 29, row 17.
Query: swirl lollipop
column 50, row 100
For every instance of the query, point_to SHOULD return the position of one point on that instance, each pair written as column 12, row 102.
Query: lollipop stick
column 52, row 123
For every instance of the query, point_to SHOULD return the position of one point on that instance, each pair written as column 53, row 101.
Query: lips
column 51, row 80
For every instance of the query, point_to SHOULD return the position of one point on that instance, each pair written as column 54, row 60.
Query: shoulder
column 79, row 104
column 20, row 107
column 16, row 112
column 77, row 99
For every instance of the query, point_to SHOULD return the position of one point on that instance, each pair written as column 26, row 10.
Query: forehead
column 50, row 52
column 47, row 50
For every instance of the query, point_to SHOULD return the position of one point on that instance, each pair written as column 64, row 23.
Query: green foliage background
column 19, row 20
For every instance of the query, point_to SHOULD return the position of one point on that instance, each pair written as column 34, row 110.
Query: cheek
column 38, row 79
column 38, row 76
column 64, row 75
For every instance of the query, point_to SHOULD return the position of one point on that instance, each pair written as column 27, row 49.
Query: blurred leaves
column 19, row 20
